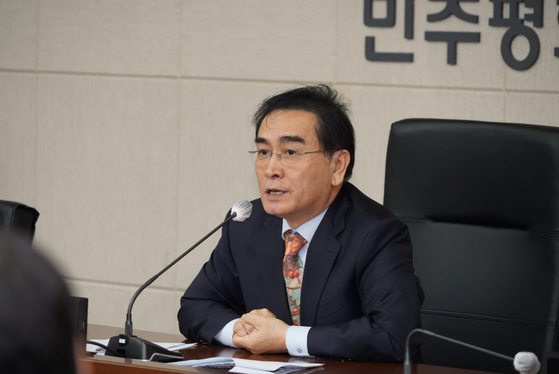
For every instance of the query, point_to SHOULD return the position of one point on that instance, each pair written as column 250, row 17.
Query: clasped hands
column 260, row 332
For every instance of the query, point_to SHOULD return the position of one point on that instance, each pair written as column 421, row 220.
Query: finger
column 243, row 327
column 249, row 342
column 263, row 312
column 249, row 328
column 240, row 341
column 255, row 321
column 240, row 329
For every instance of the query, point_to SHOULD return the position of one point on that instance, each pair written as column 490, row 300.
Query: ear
column 340, row 161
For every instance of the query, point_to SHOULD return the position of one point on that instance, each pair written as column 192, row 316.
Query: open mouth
column 274, row 192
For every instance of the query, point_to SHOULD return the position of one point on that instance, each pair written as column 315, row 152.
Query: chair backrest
column 481, row 201
column 18, row 219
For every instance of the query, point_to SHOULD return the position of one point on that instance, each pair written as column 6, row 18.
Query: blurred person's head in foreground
column 36, row 333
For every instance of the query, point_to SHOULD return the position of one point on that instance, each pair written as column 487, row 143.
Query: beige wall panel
column 479, row 65
column 105, row 36
column 534, row 108
column 286, row 40
column 17, row 137
column 154, row 309
column 18, row 34
column 375, row 109
column 107, row 175
column 544, row 75
column 128, row 173
column 215, row 167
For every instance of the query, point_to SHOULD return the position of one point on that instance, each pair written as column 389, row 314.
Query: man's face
column 295, row 190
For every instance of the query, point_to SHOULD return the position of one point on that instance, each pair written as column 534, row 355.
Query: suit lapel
column 269, row 251
column 321, row 257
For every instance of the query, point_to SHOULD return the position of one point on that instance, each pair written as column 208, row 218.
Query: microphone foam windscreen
column 526, row 363
column 243, row 208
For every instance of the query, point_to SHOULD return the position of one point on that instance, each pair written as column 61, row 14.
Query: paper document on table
column 176, row 346
column 95, row 348
column 257, row 367
column 238, row 365
column 101, row 351
column 212, row 362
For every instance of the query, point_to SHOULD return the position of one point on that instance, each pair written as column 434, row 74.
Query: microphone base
column 130, row 346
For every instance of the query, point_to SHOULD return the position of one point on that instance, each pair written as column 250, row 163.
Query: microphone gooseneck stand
column 128, row 345
column 531, row 367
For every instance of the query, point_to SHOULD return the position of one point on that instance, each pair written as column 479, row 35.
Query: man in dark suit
column 319, row 268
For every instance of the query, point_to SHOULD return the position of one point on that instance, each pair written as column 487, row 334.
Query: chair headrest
column 495, row 174
column 19, row 219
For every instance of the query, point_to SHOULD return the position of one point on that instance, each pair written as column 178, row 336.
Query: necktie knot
column 293, row 243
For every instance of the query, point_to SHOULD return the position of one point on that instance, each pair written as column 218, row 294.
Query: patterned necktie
column 293, row 273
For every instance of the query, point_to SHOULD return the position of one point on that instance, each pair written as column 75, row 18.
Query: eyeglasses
column 287, row 156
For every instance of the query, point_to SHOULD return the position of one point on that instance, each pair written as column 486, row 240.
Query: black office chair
column 481, row 201
column 18, row 219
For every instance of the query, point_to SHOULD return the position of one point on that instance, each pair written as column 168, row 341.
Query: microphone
column 524, row 362
column 128, row 345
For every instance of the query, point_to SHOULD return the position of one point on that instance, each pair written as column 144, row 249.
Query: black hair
column 36, row 332
column 334, row 129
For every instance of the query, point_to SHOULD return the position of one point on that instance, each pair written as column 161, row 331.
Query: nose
column 274, row 168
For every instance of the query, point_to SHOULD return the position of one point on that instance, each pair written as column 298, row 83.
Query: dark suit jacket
column 360, row 294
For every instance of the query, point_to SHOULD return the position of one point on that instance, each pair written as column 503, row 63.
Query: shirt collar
column 307, row 229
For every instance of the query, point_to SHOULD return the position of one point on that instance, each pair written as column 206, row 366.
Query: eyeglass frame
column 255, row 152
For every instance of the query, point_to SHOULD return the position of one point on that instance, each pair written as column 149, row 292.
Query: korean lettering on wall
column 519, row 17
